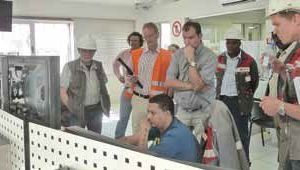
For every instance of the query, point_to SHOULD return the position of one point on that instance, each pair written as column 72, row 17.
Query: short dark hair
column 164, row 102
column 175, row 46
column 186, row 27
column 152, row 26
column 138, row 35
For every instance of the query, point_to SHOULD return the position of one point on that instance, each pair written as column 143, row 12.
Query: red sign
column 176, row 28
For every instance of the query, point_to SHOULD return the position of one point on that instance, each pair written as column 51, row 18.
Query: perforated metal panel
column 11, row 128
column 52, row 149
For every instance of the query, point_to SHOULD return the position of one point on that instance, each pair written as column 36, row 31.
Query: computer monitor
column 6, row 15
column 30, row 87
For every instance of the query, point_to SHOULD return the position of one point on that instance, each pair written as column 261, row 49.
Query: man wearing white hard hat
column 83, row 89
column 285, row 17
column 237, row 80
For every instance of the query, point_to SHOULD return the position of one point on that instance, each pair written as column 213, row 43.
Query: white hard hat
column 87, row 42
column 233, row 34
column 276, row 6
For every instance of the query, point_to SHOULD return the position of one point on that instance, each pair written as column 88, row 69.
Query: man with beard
column 82, row 89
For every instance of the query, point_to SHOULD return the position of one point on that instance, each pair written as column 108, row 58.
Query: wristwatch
column 281, row 109
column 193, row 64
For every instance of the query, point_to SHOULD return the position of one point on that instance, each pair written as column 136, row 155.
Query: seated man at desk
column 172, row 139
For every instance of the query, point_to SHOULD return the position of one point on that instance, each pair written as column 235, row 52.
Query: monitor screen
column 6, row 15
column 30, row 86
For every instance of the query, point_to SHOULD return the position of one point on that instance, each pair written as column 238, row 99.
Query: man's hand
column 64, row 97
column 143, row 134
column 270, row 105
column 130, row 80
column 189, row 53
column 145, row 125
column 189, row 86
column 170, row 92
column 297, row 70
column 121, row 79
column 278, row 66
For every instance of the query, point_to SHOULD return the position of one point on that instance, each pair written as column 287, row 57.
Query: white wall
column 88, row 18
column 111, row 35
column 193, row 9
column 196, row 9
column 60, row 8
column 98, row 26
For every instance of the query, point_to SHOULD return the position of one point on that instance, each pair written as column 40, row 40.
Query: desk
column 4, row 154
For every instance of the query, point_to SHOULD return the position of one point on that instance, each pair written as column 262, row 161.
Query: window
column 56, row 41
column 39, row 37
column 165, row 35
column 16, row 42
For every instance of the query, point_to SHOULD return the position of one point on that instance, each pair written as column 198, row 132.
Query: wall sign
column 176, row 28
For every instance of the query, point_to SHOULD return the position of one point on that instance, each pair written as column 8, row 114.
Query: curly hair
column 138, row 35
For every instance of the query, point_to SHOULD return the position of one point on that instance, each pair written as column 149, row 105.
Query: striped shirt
column 228, row 87
column 146, row 64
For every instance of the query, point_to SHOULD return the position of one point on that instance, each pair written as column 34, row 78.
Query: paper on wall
column 297, row 87
column 261, row 89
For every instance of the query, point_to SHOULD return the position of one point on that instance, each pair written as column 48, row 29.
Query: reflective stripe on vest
column 157, row 83
column 159, row 72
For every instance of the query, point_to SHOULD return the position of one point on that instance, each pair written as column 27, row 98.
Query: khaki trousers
column 139, row 111
column 196, row 119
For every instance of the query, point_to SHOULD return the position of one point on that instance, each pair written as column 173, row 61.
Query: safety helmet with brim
column 278, row 6
column 87, row 43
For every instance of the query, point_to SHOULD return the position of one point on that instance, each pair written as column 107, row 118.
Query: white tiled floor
column 109, row 125
column 263, row 157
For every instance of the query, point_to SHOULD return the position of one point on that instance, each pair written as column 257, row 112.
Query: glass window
column 39, row 37
column 55, row 42
column 165, row 35
column 16, row 42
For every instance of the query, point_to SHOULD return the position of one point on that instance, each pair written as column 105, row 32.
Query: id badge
column 248, row 78
column 297, row 87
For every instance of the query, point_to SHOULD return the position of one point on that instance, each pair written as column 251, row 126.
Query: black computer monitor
column 30, row 87
column 6, row 15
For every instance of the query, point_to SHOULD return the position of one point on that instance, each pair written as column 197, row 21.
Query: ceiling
column 136, row 3
column 255, row 16
column 106, row 2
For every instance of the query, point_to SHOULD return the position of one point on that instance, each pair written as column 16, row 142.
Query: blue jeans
column 125, row 110
column 93, row 118
column 292, row 165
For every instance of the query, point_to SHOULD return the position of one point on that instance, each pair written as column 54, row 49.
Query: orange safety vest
column 159, row 72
